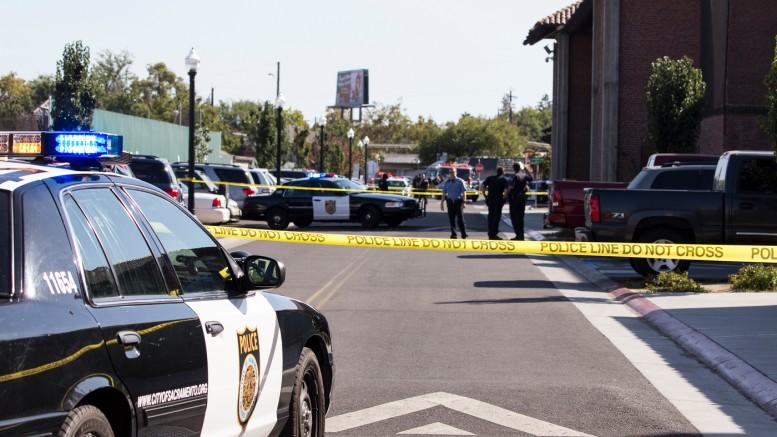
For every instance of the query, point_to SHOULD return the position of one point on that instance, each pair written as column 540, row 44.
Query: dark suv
column 157, row 172
column 227, row 173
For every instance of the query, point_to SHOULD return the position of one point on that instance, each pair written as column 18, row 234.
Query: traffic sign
column 537, row 159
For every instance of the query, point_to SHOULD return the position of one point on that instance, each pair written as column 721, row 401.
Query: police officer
column 454, row 196
column 383, row 184
column 516, row 195
column 421, row 185
column 494, row 189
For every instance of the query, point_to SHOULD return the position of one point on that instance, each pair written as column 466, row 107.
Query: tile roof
column 552, row 22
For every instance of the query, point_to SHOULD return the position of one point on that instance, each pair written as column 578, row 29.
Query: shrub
column 675, row 98
column 672, row 281
column 754, row 278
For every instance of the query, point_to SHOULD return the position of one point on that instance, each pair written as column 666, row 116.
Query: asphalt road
column 490, row 331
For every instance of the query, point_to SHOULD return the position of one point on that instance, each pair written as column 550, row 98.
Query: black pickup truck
column 740, row 208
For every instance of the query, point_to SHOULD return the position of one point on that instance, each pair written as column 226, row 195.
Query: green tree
column 237, row 119
column 42, row 88
column 263, row 136
column 74, row 96
column 15, row 96
column 473, row 136
column 535, row 121
column 113, row 81
column 208, row 120
column 675, row 97
column 334, row 159
column 161, row 95
column 771, row 99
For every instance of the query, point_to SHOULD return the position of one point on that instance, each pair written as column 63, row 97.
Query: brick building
column 602, row 55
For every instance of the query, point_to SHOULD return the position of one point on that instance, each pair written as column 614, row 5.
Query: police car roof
column 15, row 174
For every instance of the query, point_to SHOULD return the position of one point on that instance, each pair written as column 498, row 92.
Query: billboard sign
column 352, row 89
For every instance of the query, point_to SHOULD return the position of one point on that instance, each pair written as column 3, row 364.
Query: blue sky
column 439, row 58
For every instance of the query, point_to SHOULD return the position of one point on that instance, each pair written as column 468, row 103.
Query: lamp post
column 366, row 142
column 280, row 102
column 350, row 153
column 321, row 125
column 192, row 61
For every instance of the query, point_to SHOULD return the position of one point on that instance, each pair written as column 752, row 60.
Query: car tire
column 277, row 219
column 394, row 222
column 86, row 420
column 307, row 410
column 302, row 223
column 650, row 268
column 370, row 217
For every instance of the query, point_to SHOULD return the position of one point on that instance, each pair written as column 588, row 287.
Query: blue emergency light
column 81, row 144
column 63, row 145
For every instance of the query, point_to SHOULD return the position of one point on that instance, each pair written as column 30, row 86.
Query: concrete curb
column 748, row 380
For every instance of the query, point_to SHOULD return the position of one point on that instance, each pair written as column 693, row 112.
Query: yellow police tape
column 411, row 192
column 692, row 252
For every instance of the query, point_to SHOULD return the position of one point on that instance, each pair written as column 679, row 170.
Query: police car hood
column 381, row 196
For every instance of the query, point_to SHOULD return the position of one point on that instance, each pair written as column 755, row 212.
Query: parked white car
column 234, row 210
column 400, row 185
column 210, row 209
column 264, row 179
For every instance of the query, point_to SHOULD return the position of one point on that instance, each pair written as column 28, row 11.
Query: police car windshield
column 5, row 244
column 348, row 184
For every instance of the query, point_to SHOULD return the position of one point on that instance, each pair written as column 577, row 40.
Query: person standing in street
column 383, row 184
column 516, row 195
column 494, row 188
column 454, row 196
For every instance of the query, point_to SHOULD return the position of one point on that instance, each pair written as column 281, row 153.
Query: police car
column 304, row 201
column 123, row 316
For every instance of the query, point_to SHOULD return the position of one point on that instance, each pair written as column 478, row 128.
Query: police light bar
column 20, row 143
column 81, row 144
column 60, row 144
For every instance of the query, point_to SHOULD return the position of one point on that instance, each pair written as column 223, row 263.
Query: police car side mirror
column 262, row 272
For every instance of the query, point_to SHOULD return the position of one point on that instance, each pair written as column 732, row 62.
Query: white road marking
column 436, row 428
column 472, row 407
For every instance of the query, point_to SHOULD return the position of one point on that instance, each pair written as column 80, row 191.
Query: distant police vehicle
column 304, row 201
column 123, row 316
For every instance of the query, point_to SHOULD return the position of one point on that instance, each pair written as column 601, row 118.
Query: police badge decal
column 330, row 206
column 248, row 350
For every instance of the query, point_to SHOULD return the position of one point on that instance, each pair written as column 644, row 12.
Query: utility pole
column 278, row 80
column 212, row 102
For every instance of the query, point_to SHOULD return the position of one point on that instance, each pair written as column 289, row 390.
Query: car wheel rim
column 306, row 411
column 659, row 265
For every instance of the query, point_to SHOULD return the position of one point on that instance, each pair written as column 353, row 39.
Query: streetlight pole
column 192, row 61
column 366, row 142
column 350, row 153
column 279, row 103
column 321, row 125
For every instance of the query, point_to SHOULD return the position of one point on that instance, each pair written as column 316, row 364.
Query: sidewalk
column 735, row 334
column 745, row 324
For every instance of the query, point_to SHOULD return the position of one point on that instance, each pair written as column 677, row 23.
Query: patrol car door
column 331, row 205
column 153, row 338
column 241, row 331
column 300, row 201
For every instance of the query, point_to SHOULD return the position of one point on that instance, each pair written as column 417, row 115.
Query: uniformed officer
column 516, row 195
column 494, row 189
column 454, row 196
column 383, row 185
